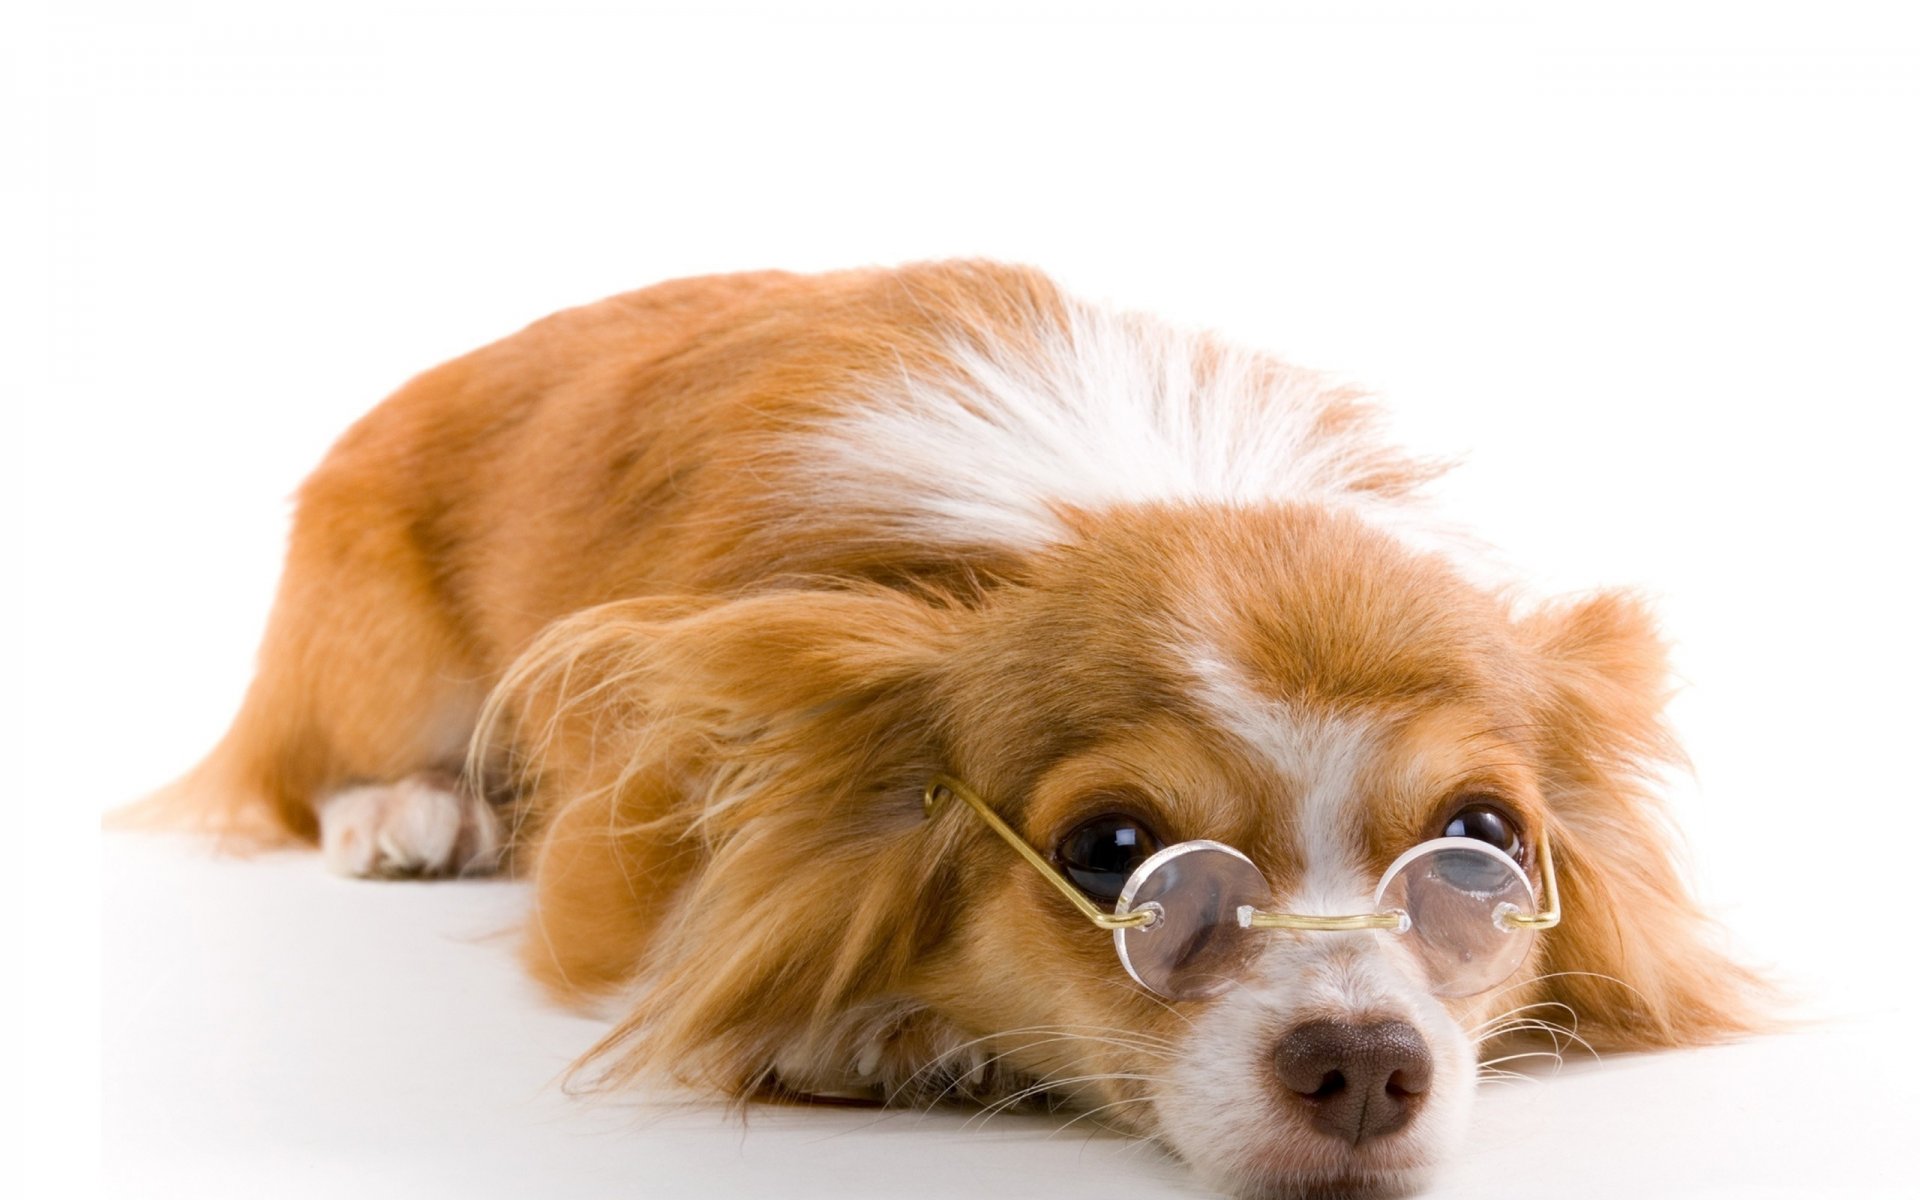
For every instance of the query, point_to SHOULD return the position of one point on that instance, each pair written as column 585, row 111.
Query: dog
column 845, row 657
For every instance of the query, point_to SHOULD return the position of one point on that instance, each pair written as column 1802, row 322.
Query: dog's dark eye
column 1099, row 854
column 1485, row 823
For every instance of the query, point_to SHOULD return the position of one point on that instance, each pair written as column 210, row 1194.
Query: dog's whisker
column 1145, row 1098
column 1486, row 1072
column 1552, row 1054
column 1535, row 979
column 1553, row 1031
column 1574, row 1016
column 1022, row 1048
column 1054, row 1079
column 1133, row 989
column 1520, row 1024
column 1048, row 1085
column 1056, row 1033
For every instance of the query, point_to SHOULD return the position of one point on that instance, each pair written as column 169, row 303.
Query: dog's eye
column 1485, row 823
column 1099, row 854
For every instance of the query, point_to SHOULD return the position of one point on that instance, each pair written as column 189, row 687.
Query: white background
column 1654, row 274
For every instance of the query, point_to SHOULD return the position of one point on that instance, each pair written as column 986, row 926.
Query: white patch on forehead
column 1105, row 410
column 1321, row 758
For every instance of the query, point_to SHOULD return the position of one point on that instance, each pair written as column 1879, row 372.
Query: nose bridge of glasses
column 1253, row 918
column 1330, row 901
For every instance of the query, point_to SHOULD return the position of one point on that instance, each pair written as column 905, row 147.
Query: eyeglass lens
column 1195, row 946
column 1457, row 894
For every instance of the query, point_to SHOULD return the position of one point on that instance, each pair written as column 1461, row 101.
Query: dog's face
column 1295, row 686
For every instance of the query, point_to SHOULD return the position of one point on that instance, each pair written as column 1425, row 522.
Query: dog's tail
column 232, row 794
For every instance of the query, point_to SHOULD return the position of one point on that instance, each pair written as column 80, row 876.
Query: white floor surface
column 272, row 1030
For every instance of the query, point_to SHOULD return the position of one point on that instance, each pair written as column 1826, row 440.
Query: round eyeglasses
column 1189, row 920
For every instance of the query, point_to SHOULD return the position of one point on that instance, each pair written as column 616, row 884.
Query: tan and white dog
column 714, row 576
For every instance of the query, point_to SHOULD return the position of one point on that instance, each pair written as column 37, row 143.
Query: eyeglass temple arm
column 943, row 785
column 1253, row 918
column 1548, row 917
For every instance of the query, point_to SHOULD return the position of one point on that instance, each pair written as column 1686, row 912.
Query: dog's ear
column 1634, row 957
column 727, row 794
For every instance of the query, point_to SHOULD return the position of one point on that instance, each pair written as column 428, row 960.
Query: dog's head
column 1286, row 681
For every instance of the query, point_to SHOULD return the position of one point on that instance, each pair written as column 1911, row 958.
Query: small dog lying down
column 920, row 683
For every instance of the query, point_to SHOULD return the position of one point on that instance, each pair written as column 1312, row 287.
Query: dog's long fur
column 713, row 576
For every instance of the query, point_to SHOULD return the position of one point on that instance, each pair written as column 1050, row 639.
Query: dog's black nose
column 1357, row 1081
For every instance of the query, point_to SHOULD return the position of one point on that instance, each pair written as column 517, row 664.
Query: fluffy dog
column 676, row 603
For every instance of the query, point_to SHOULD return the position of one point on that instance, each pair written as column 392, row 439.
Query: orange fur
column 709, row 702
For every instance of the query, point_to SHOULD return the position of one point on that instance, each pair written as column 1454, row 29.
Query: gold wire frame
column 943, row 785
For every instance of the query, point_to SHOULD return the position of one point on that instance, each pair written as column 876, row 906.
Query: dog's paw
column 422, row 826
